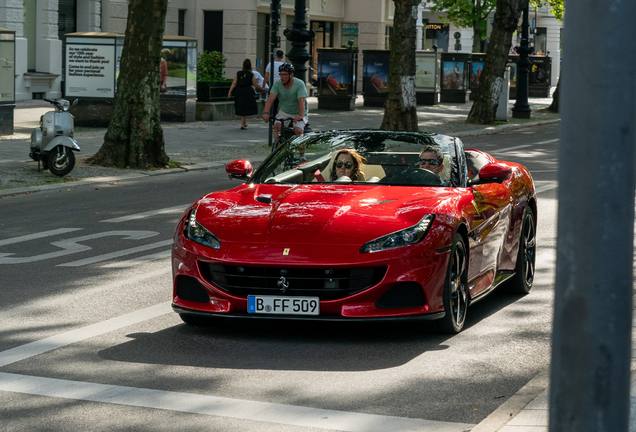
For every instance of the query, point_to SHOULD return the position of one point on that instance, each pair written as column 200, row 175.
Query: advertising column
column 336, row 78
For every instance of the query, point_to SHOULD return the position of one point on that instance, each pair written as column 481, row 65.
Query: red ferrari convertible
column 368, row 225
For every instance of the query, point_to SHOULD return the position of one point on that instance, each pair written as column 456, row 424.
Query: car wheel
column 455, row 289
column 522, row 281
column 200, row 321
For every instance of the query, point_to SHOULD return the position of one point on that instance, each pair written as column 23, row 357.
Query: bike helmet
column 286, row 67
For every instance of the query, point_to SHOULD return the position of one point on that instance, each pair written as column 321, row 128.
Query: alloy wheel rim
column 459, row 294
column 529, row 251
column 61, row 161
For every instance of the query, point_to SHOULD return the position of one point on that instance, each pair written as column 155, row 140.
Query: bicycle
column 286, row 132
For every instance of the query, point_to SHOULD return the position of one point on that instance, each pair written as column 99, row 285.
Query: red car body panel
column 316, row 225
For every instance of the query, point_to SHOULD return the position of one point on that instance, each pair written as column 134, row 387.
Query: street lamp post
column 299, row 36
column 521, row 109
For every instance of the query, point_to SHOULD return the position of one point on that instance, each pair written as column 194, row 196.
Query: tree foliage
column 556, row 7
column 135, row 138
column 466, row 13
column 211, row 67
column 400, row 108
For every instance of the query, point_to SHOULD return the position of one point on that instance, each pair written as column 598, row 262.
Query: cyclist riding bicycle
column 292, row 96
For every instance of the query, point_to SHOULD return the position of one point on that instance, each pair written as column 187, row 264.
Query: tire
column 60, row 164
column 455, row 294
column 522, row 281
column 200, row 321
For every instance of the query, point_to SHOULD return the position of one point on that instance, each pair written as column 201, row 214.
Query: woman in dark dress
column 244, row 100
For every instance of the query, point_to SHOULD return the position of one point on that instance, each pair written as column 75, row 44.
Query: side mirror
column 239, row 169
column 75, row 102
column 495, row 172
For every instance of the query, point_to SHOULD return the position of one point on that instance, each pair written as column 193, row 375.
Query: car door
column 491, row 207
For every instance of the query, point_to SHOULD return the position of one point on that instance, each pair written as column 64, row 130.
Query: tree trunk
column 400, row 108
column 476, row 36
column 477, row 27
column 486, row 101
column 135, row 138
column 554, row 106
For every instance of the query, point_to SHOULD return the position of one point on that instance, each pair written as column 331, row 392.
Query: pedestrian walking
column 243, row 86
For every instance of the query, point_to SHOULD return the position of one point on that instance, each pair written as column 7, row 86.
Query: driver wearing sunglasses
column 432, row 158
column 348, row 163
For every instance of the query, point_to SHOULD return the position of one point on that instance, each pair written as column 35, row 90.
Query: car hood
column 318, row 214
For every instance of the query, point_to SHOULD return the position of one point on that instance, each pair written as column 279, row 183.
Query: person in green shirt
column 292, row 96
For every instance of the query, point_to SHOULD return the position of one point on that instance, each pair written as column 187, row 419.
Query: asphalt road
column 88, row 340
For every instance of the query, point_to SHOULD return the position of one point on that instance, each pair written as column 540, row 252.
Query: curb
column 218, row 164
column 97, row 180
column 513, row 406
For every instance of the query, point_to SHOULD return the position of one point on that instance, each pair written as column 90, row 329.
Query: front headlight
column 194, row 231
column 405, row 237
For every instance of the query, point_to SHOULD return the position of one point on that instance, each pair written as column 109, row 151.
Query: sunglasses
column 347, row 165
column 429, row 161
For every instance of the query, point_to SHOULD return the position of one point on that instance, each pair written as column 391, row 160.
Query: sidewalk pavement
column 206, row 145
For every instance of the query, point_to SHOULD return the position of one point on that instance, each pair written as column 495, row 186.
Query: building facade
column 238, row 28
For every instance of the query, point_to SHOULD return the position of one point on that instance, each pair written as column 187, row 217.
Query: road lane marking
column 503, row 150
column 112, row 255
column 39, row 235
column 140, row 260
column 221, row 406
column 32, row 349
column 168, row 210
column 189, row 402
column 72, row 246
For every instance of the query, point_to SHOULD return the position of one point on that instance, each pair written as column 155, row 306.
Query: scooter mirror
column 75, row 102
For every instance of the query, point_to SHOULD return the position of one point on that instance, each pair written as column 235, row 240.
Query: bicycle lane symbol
column 68, row 246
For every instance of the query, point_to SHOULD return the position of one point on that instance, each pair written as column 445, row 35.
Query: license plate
column 283, row 305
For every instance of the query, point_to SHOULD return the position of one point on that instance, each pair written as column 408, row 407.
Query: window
column 181, row 31
column 322, row 39
column 213, row 31
column 388, row 32
column 540, row 41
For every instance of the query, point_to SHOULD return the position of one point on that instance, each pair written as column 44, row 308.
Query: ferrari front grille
column 327, row 284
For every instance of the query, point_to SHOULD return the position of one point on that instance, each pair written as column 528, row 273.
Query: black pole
column 591, row 353
column 299, row 36
column 274, row 44
column 521, row 109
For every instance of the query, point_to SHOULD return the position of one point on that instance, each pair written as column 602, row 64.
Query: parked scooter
column 53, row 143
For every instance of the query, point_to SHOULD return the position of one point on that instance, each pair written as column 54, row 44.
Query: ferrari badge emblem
column 286, row 251
column 283, row 284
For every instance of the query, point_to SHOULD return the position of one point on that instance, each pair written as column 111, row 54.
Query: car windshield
column 367, row 157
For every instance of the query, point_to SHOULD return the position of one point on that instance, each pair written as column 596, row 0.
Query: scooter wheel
column 61, row 164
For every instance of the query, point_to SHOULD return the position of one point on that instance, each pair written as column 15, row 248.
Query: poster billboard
column 90, row 70
column 175, row 58
column 476, row 70
column 349, row 33
column 334, row 74
column 453, row 72
column 376, row 73
column 425, row 72
column 7, row 70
